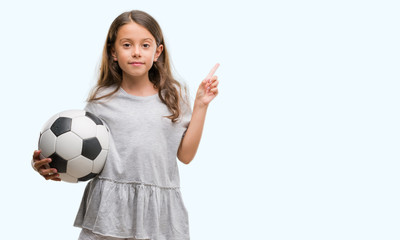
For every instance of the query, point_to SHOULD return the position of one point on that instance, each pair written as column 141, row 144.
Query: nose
column 136, row 51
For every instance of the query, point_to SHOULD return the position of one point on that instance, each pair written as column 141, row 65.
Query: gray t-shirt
column 137, row 194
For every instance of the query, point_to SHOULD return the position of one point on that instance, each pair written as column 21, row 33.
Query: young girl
column 137, row 194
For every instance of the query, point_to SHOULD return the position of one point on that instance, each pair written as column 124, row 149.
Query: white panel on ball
column 98, row 163
column 83, row 127
column 67, row 178
column 47, row 143
column 102, row 136
column 69, row 145
column 49, row 122
column 79, row 167
column 73, row 113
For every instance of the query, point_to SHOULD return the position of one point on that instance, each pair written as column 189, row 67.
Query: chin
column 135, row 75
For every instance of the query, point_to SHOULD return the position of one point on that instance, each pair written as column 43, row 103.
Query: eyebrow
column 144, row 39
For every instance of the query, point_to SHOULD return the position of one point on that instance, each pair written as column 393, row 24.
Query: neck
column 138, row 86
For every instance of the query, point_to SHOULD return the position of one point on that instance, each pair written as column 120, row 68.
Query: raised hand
column 208, row 88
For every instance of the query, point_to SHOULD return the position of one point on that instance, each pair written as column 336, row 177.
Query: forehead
column 133, row 31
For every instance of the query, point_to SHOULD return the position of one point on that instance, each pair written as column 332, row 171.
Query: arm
column 190, row 142
column 207, row 91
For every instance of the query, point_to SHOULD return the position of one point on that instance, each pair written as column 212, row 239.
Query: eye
column 126, row 45
column 146, row 45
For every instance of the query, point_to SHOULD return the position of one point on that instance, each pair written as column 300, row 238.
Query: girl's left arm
column 206, row 92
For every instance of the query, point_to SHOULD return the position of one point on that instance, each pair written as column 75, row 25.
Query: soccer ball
column 77, row 143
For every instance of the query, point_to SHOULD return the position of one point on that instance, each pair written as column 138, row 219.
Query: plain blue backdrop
column 302, row 142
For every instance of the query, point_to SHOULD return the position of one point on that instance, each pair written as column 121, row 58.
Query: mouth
column 136, row 63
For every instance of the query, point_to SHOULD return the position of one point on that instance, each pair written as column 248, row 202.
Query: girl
column 137, row 194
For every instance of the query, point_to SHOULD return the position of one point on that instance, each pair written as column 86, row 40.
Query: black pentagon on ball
column 94, row 118
column 61, row 125
column 58, row 163
column 87, row 177
column 91, row 148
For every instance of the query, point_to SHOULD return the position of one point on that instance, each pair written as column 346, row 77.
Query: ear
column 159, row 50
column 114, row 54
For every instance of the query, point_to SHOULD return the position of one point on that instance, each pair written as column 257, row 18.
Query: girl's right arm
column 42, row 167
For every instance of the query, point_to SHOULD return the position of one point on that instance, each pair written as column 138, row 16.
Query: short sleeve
column 90, row 107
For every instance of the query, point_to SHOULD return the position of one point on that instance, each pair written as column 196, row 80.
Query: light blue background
column 302, row 142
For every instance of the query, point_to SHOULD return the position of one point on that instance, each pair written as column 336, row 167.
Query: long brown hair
column 160, row 74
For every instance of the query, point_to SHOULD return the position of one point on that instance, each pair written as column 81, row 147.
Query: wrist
column 199, row 105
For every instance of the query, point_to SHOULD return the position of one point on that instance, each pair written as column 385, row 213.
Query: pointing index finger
column 213, row 70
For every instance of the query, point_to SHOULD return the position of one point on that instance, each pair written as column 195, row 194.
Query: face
column 135, row 50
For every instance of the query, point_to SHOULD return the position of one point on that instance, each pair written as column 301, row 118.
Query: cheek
column 153, row 54
column 123, row 54
column 150, row 56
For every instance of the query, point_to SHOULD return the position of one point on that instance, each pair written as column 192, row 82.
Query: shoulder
column 101, row 93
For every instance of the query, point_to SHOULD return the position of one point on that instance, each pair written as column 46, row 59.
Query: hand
column 208, row 88
column 43, row 168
